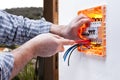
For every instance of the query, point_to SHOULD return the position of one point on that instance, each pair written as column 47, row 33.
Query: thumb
column 65, row 42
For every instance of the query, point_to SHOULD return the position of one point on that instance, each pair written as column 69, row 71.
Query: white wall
column 84, row 67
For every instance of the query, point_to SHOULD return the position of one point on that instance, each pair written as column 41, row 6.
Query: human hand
column 70, row 31
column 46, row 45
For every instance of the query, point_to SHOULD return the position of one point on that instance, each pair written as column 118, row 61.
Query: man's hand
column 70, row 31
column 46, row 45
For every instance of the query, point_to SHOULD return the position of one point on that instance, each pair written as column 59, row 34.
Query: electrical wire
column 70, row 54
column 72, row 48
column 68, row 51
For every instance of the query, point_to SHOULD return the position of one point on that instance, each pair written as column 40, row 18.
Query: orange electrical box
column 96, row 32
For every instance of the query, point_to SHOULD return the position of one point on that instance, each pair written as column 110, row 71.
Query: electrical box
column 96, row 32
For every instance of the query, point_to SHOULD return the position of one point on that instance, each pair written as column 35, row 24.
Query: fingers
column 67, row 41
column 79, row 17
column 83, row 21
column 61, row 49
column 64, row 42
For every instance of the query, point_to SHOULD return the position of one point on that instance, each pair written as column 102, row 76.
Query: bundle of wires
column 69, row 52
column 72, row 48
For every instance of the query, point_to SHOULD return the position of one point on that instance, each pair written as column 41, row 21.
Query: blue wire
column 71, row 53
column 68, row 51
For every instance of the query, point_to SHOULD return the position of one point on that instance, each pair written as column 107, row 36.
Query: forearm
column 17, row 29
column 38, row 46
column 22, row 56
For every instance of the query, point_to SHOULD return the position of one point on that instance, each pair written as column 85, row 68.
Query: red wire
column 83, row 41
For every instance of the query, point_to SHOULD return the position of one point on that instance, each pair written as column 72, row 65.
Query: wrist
column 26, row 50
column 58, row 29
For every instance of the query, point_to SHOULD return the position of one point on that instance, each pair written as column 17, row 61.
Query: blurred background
column 32, row 9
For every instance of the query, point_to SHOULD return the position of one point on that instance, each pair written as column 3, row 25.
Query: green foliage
column 28, row 72
column 10, row 47
column 32, row 12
